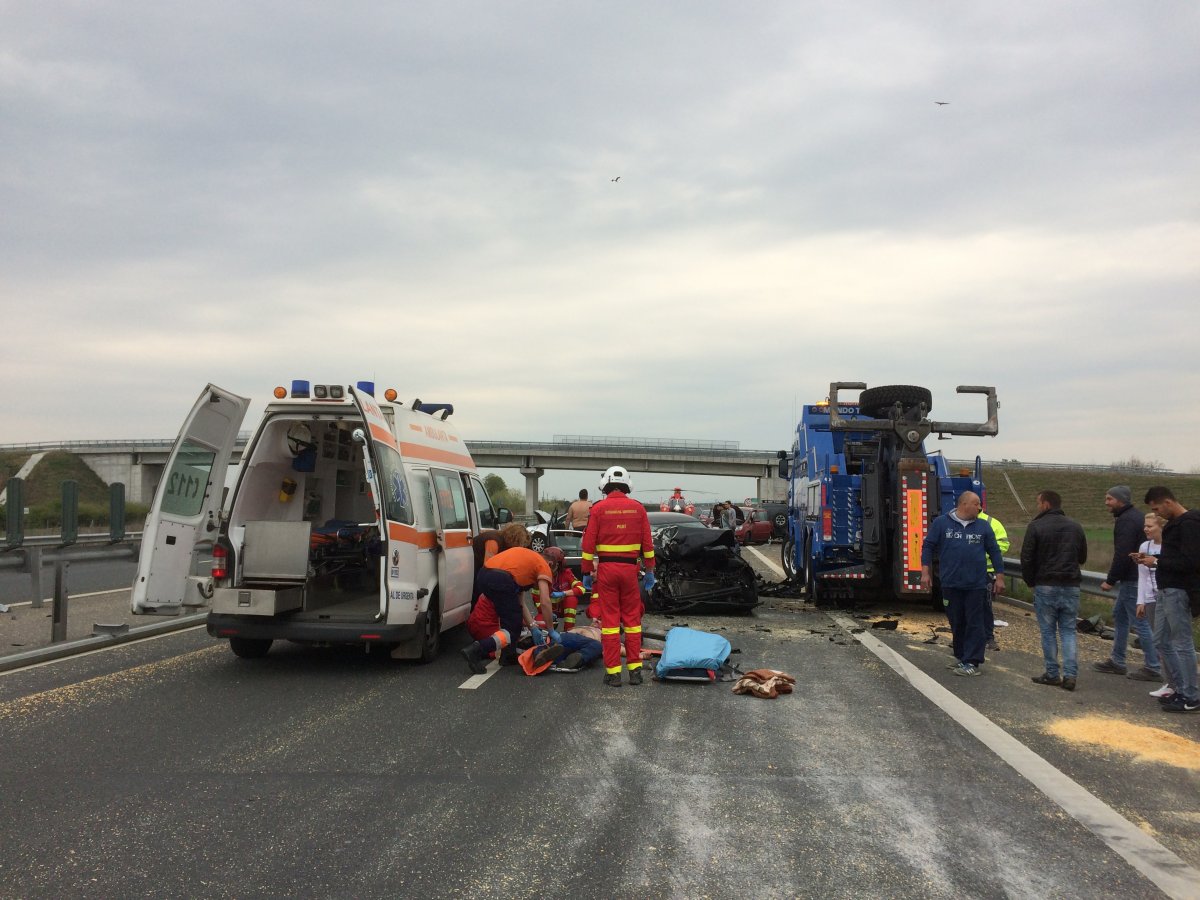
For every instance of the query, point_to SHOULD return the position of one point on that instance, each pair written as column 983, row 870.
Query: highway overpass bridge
column 138, row 464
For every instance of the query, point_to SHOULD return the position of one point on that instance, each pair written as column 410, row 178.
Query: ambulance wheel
column 431, row 638
column 537, row 542
column 249, row 648
column 877, row 402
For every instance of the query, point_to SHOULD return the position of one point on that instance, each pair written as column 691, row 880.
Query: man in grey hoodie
column 1122, row 575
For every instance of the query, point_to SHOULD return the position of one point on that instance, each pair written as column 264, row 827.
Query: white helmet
column 616, row 475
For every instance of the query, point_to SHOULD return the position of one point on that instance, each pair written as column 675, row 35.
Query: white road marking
column 1170, row 874
column 476, row 680
column 770, row 565
column 70, row 597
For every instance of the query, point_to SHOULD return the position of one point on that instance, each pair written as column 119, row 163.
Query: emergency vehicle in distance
column 349, row 522
column 863, row 490
column 678, row 503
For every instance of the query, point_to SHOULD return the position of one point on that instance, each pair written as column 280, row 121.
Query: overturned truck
column 863, row 490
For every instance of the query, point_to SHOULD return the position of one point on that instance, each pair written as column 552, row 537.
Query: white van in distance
column 349, row 521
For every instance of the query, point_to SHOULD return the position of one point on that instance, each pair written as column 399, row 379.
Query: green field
column 1083, row 500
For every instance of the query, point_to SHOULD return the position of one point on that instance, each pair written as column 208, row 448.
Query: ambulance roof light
column 366, row 387
column 299, row 389
column 280, row 392
column 390, row 395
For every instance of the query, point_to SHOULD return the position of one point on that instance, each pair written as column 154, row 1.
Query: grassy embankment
column 1083, row 500
column 43, row 493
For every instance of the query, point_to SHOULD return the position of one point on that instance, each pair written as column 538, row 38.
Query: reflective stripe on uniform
column 633, row 629
column 589, row 556
column 612, row 670
column 610, row 630
column 633, row 665
column 617, row 548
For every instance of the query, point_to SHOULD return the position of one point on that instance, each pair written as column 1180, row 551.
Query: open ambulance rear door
column 187, row 501
column 393, row 508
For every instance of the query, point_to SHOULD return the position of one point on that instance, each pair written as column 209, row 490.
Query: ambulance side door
column 456, row 557
column 184, row 511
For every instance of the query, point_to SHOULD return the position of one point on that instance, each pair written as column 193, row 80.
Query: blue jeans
column 584, row 646
column 966, row 610
column 1174, row 619
column 1124, row 616
column 1057, row 607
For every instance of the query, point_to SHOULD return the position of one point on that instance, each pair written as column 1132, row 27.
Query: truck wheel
column 814, row 590
column 876, row 402
column 431, row 638
column 787, row 556
column 249, row 648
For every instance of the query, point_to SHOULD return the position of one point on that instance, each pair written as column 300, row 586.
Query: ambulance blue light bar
column 304, row 390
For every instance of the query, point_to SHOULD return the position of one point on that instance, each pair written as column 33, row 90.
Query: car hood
column 674, row 543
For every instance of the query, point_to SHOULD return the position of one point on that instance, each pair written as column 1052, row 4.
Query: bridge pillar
column 531, row 487
column 771, row 487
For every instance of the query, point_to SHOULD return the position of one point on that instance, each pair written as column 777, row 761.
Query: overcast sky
column 246, row 193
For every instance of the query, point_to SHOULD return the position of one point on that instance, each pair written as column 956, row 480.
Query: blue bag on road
column 691, row 655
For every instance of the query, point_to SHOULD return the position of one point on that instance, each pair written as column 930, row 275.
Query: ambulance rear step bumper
column 227, row 626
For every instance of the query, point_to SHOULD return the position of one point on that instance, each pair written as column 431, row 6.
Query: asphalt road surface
column 172, row 768
column 82, row 578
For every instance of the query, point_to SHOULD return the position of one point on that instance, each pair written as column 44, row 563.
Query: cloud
column 247, row 194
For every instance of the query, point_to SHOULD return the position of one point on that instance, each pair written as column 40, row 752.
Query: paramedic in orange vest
column 501, row 581
column 617, row 535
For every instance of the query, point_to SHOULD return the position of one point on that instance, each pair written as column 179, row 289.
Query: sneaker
column 474, row 659
column 1045, row 678
column 1144, row 674
column 635, row 675
column 1068, row 683
column 1178, row 704
column 1165, row 691
column 548, row 654
column 992, row 645
column 613, row 680
column 1168, row 698
column 1108, row 667
column 953, row 665
column 967, row 669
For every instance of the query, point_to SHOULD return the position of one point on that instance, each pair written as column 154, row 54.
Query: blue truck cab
column 862, row 490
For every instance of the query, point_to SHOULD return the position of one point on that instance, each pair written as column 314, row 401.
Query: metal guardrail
column 1074, row 467
column 574, row 440
column 83, row 645
column 1089, row 585
column 50, row 549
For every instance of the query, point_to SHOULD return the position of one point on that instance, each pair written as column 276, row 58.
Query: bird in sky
column 618, row 178
column 942, row 102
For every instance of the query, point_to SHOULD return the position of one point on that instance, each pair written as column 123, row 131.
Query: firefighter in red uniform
column 617, row 535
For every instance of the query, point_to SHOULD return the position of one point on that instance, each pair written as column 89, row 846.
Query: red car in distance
column 756, row 528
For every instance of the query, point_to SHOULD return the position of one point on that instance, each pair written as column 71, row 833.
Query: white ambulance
column 349, row 521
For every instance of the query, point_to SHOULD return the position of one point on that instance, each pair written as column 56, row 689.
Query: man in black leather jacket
column 1122, row 575
column 1051, row 555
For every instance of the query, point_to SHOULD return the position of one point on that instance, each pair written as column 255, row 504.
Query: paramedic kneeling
column 963, row 544
column 501, row 581
column 617, row 535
